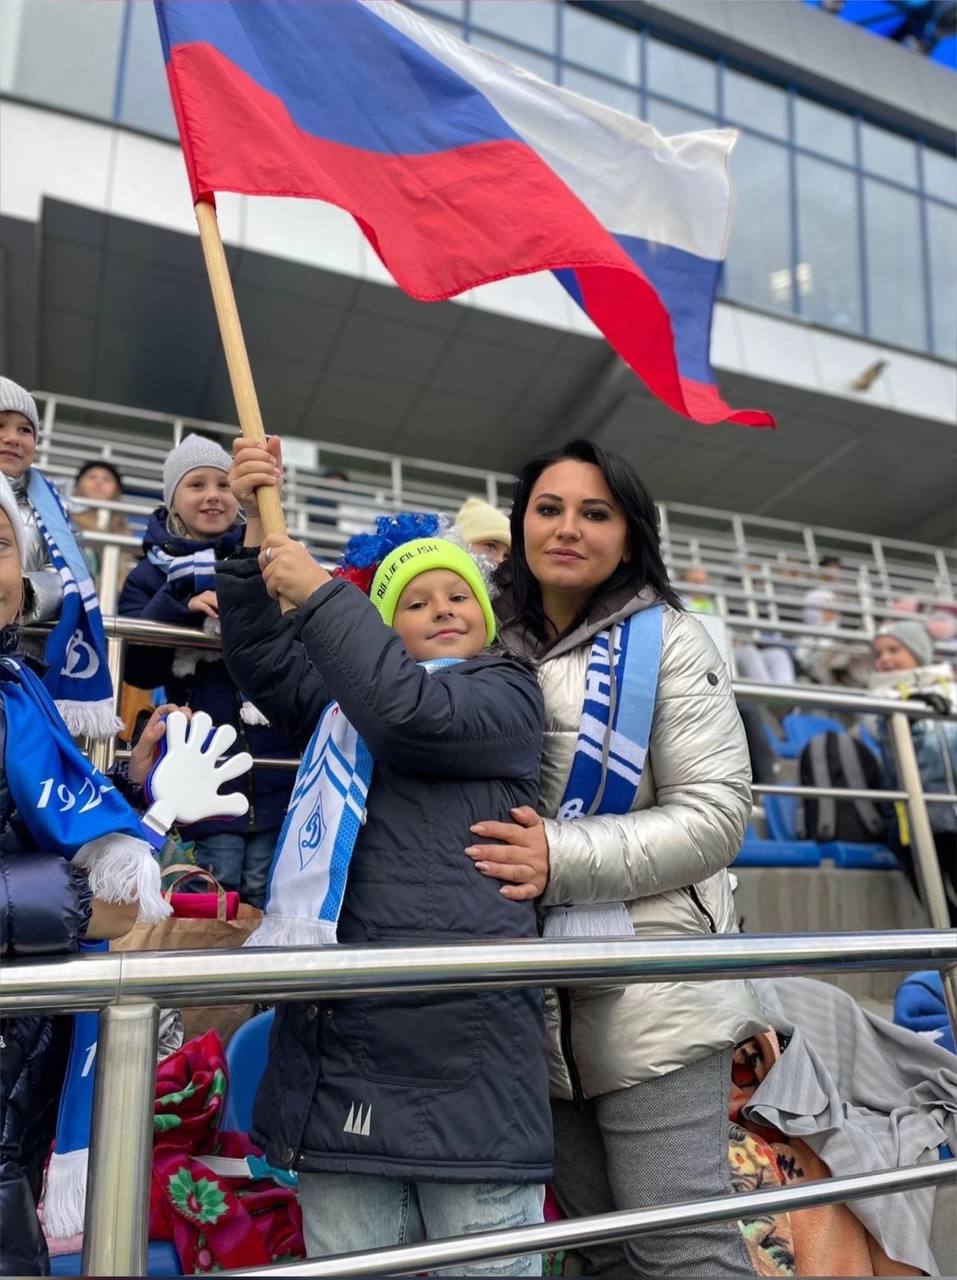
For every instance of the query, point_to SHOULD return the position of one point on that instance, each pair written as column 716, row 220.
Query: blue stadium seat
column 799, row 728
column 161, row 1260
column 246, row 1056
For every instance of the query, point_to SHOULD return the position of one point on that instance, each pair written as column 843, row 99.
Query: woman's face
column 891, row 655
column 576, row 534
column 99, row 483
column 11, row 581
column 204, row 503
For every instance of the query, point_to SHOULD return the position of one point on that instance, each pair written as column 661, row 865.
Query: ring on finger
column 267, row 554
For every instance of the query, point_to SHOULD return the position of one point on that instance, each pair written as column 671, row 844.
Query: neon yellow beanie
column 412, row 558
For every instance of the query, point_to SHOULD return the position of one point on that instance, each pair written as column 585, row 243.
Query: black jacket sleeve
column 263, row 656
column 45, row 904
column 480, row 719
column 147, row 666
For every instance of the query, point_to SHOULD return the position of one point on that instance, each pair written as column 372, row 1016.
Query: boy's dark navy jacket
column 148, row 594
column 454, row 1086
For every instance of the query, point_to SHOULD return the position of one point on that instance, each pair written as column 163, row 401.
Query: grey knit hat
column 14, row 397
column 914, row 636
column 192, row 453
column 8, row 503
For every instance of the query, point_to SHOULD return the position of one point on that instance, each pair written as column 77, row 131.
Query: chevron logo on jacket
column 356, row 1123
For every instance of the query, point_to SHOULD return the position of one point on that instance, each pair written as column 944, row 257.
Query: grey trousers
column 659, row 1142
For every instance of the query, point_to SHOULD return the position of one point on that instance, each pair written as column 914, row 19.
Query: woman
column 640, row 1074
column 198, row 524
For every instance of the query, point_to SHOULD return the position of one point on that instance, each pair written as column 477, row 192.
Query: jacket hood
column 158, row 535
column 604, row 611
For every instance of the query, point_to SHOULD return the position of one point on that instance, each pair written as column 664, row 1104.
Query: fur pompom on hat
column 479, row 521
column 8, row 504
column 915, row 638
column 16, row 399
column 192, row 453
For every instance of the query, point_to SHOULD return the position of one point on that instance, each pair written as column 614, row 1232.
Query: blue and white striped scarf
column 310, row 868
column 77, row 676
column 620, row 686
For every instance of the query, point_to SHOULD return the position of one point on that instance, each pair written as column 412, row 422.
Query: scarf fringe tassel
column 597, row 920
column 64, row 1203
column 89, row 719
column 292, row 931
column 122, row 869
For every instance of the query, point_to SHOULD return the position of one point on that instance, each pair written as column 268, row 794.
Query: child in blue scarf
column 413, row 1116
column 71, row 865
column 174, row 583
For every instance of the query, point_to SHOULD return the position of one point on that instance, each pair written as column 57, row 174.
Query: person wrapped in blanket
column 407, row 1117
column 72, row 870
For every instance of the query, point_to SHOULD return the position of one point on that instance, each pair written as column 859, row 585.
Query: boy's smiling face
column 438, row 616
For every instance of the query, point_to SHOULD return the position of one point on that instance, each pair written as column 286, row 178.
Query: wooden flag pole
column 237, row 359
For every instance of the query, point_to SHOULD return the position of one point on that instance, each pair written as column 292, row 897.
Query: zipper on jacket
column 695, row 896
column 565, row 1042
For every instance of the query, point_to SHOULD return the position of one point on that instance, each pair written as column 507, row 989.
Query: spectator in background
column 830, row 569
column 99, row 481
column 697, row 576
column 903, row 655
column 198, row 525
column 484, row 530
column 829, row 661
column 56, row 577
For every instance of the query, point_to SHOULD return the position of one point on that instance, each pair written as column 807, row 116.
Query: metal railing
column 128, row 987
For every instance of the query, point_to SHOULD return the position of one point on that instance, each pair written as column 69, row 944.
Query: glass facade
column 838, row 219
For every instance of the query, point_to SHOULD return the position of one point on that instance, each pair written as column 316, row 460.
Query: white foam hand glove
column 184, row 783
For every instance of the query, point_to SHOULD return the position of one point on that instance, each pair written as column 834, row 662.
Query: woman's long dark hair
column 644, row 568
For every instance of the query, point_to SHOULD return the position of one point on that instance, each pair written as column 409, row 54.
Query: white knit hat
column 8, row 503
column 194, row 452
column 479, row 521
column 14, row 398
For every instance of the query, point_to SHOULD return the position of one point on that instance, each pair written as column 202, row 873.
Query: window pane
column 758, row 267
column 145, row 102
column 889, row 155
column 605, row 46
column 824, row 130
column 682, row 75
column 451, row 10
column 541, row 66
column 894, row 271
column 940, row 175
column 67, row 54
column 752, row 102
column 613, row 95
column 942, row 225
column 531, row 21
column 670, row 120
column 829, row 278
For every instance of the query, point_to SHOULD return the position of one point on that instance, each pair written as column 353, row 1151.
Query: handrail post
column 923, row 846
column 103, row 751
column 116, row 1225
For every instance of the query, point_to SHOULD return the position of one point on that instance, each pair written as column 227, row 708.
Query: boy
column 410, row 1116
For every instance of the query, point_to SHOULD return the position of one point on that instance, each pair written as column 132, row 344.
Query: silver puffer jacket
column 45, row 593
column 666, row 860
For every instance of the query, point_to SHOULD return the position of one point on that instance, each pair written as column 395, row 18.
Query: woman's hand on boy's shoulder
column 289, row 570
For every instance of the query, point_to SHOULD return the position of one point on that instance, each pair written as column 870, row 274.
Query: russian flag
column 461, row 169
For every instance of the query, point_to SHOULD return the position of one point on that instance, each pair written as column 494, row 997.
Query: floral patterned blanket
column 827, row 1240
column 214, row 1222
